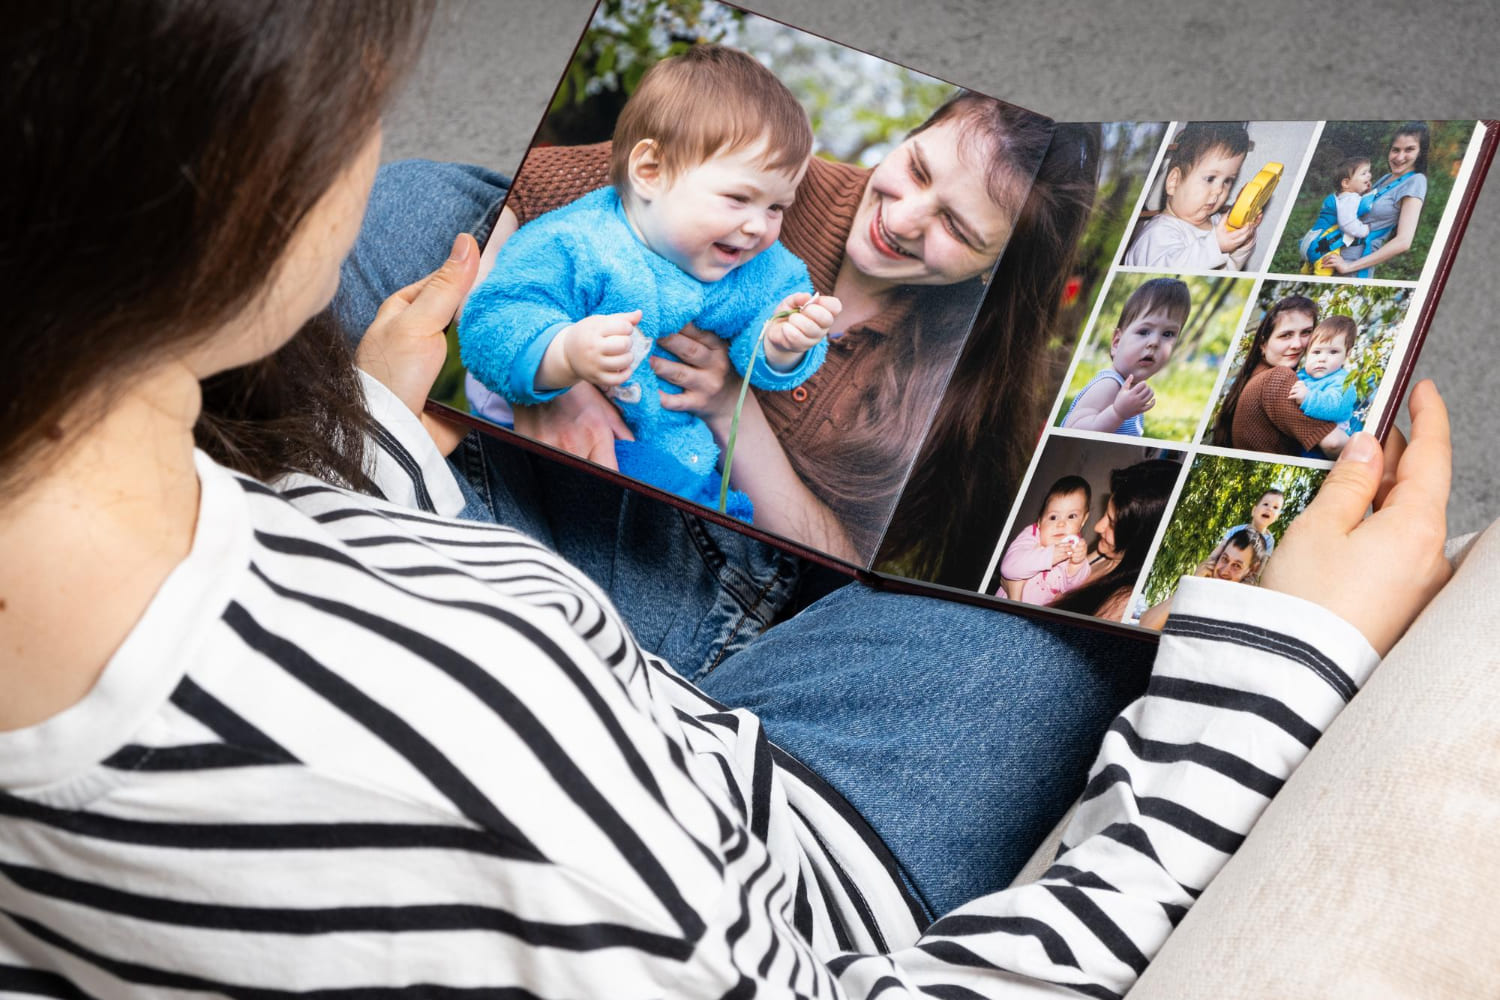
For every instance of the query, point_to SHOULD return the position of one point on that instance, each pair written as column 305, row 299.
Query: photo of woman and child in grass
column 1371, row 200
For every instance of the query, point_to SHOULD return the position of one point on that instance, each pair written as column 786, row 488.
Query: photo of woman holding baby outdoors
column 1370, row 201
column 896, row 230
column 1307, row 377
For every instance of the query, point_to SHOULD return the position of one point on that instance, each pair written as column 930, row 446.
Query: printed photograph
column 1218, row 196
column 714, row 200
column 1228, row 519
column 1307, row 367
column 1149, row 368
column 1085, row 525
column 1012, row 368
column 1372, row 197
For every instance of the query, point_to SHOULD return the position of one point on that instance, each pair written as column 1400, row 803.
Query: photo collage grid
column 1269, row 282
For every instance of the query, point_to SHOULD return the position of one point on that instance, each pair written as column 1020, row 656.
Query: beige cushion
column 1376, row 871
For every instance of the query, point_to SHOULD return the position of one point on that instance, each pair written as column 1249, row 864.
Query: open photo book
column 939, row 341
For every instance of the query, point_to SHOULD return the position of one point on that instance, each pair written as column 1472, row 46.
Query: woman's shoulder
column 553, row 176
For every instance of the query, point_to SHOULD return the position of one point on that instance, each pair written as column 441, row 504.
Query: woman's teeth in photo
column 884, row 235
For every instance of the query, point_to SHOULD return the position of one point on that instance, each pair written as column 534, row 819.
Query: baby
column 1050, row 558
column 1114, row 399
column 1321, row 390
column 1203, row 165
column 706, row 155
column 1338, row 224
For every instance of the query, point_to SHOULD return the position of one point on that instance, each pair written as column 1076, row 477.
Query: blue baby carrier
column 1325, row 237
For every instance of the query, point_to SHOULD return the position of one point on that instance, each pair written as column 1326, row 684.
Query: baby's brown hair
column 1168, row 295
column 1197, row 139
column 1335, row 326
column 1348, row 169
column 707, row 101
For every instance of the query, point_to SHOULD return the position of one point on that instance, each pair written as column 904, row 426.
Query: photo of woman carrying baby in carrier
column 1369, row 204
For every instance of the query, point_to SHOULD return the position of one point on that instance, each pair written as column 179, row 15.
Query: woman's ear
column 644, row 170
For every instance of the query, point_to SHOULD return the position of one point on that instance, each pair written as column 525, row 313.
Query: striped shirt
column 352, row 749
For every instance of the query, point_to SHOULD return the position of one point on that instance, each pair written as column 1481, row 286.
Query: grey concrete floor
column 490, row 67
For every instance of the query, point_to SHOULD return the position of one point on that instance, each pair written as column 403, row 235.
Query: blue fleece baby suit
column 582, row 260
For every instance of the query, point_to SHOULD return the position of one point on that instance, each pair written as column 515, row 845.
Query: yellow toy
column 1254, row 196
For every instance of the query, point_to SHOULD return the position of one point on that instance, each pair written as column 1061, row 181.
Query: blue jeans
column 961, row 734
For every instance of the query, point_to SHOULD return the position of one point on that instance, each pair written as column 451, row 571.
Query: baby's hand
column 1134, row 398
column 597, row 348
column 1078, row 552
column 1231, row 240
column 1298, row 393
column 807, row 319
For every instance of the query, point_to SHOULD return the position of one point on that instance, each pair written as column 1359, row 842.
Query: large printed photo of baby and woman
column 716, row 200
column 1262, row 309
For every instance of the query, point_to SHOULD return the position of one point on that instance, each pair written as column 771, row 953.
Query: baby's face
column 1196, row 194
column 713, row 217
column 1267, row 511
column 1359, row 181
column 1145, row 346
column 1063, row 516
column 1233, row 563
column 1324, row 357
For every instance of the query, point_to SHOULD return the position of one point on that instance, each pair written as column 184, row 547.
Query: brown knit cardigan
column 1266, row 419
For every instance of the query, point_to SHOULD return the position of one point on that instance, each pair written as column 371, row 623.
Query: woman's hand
column 1378, row 572
column 710, row 386
column 580, row 422
column 406, row 344
column 1339, row 264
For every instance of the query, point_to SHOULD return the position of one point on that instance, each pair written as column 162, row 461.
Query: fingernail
column 460, row 251
column 1362, row 447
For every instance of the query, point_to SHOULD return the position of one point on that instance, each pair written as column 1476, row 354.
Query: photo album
column 941, row 342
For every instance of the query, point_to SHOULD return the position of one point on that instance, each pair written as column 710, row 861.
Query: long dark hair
column 160, row 156
column 1139, row 493
column 981, row 440
column 1224, row 427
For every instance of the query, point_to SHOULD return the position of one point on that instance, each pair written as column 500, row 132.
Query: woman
column 1395, row 209
column 1257, row 413
column 304, row 741
column 825, row 465
column 1137, row 499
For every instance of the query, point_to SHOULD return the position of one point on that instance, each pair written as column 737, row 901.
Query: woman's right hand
column 1378, row 572
column 710, row 385
column 580, row 422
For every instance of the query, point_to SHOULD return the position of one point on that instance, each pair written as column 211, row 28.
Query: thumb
column 1350, row 487
column 443, row 292
column 1129, row 382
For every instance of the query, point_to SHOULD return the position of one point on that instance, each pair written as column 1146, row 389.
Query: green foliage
column 1219, row 494
column 1185, row 386
column 1378, row 312
column 627, row 36
column 1126, row 153
column 859, row 106
column 1341, row 140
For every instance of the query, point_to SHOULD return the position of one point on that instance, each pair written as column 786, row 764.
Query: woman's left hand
column 710, row 386
column 406, row 345
column 1339, row 264
column 1378, row 572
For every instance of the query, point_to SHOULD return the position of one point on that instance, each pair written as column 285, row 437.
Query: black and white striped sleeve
column 401, row 459
column 1245, row 682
